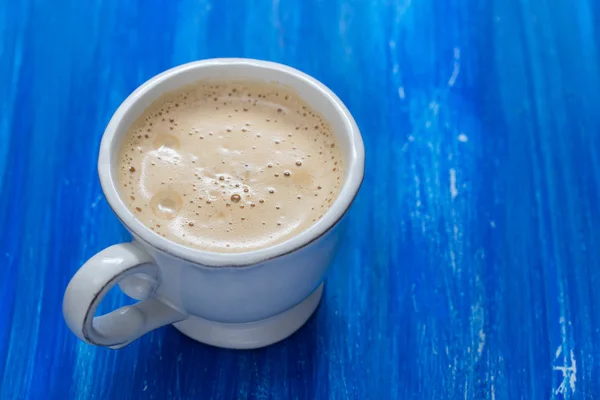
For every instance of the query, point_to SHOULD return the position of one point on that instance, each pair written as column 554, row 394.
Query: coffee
column 230, row 166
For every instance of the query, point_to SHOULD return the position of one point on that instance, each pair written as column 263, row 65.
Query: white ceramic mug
column 234, row 300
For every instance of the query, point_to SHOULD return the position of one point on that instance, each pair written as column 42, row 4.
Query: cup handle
column 124, row 325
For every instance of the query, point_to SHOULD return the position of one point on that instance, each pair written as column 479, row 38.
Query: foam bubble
column 166, row 204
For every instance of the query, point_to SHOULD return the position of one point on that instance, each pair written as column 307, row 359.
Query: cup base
column 251, row 335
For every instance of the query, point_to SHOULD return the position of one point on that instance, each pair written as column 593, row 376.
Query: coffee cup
column 231, row 300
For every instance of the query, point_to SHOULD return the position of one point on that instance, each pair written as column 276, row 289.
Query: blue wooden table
column 471, row 264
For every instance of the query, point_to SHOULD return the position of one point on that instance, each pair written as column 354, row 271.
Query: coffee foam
column 230, row 167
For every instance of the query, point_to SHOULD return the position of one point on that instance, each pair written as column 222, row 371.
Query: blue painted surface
column 470, row 268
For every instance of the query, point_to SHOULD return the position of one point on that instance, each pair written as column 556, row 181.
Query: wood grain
column 470, row 267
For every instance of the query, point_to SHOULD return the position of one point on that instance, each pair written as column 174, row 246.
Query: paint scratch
column 569, row 372
column 401, row 93
column 481, row 344
column 96, row 201
column 456, row 68
column 453, row 190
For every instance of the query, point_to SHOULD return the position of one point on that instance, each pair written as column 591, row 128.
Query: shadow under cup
column 235, row 300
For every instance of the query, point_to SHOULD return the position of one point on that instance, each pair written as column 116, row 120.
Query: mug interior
column 319, row 97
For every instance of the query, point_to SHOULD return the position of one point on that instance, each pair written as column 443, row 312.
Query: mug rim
column 354, row 166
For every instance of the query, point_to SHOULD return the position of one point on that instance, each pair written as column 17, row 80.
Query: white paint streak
column 453, row 190
column 409, row 140
column 476, row 321
column 456, row 68
column 569, row 372
column 401, row 93
column 96, row 201
column 401, row 10
column 481, row 342
column 417, row 192
column 493, row 224
column 463, row 138
column 435, row 107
